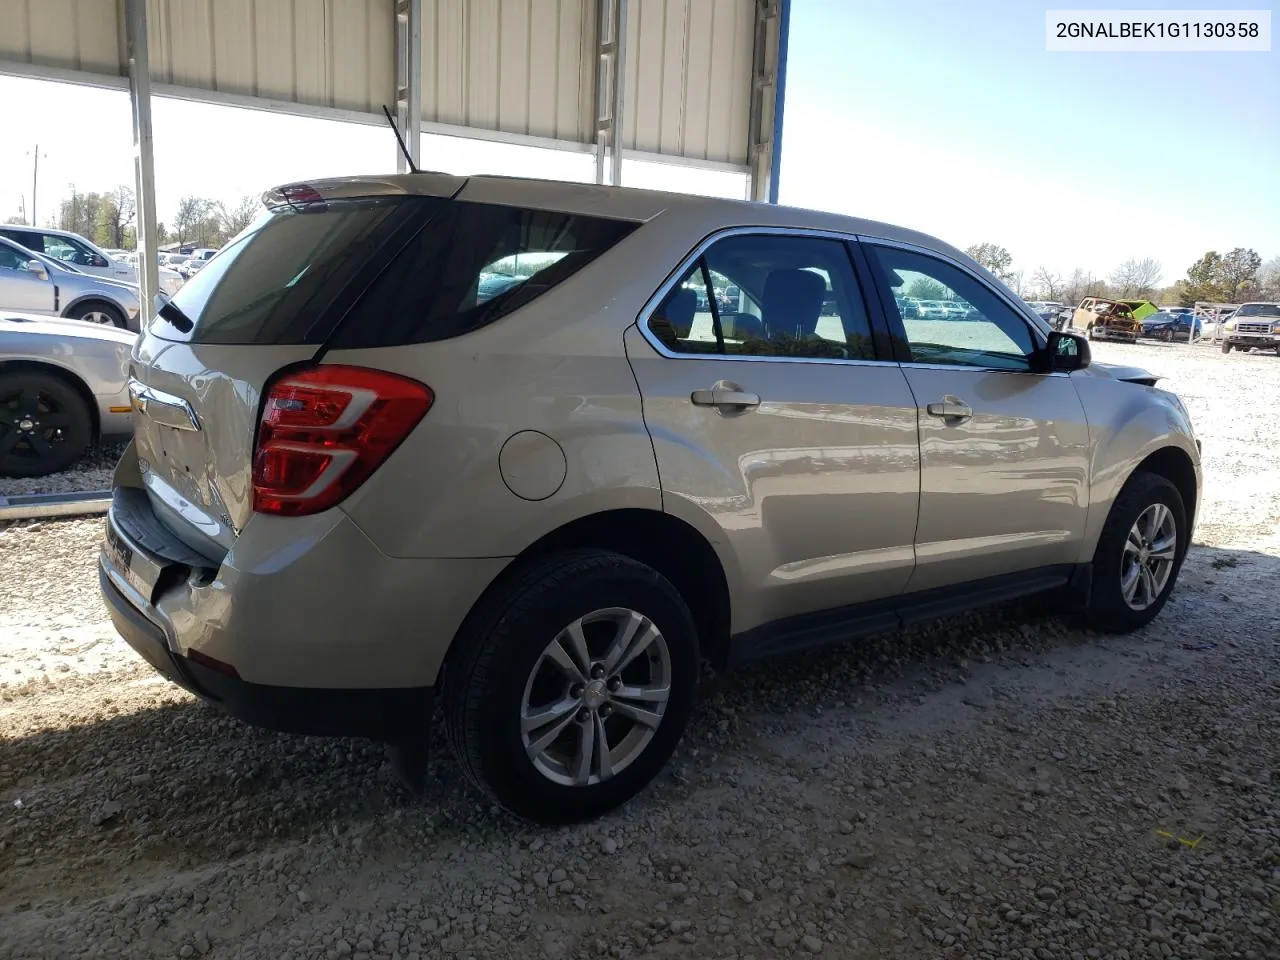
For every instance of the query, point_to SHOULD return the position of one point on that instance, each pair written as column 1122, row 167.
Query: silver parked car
column 63, row 385
column 358, row 483
column 33, row 283
column 73, row 249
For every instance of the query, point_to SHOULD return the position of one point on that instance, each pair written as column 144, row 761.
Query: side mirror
column 1067, row 351
column 37, row 270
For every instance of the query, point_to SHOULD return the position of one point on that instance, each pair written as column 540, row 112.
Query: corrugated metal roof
column 688, row 66
column 521, row 67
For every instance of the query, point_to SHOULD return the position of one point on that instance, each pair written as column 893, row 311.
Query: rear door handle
column 725, row 394
column 950, row 409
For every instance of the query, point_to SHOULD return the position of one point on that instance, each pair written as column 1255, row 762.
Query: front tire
column 574, row 681
column 1226, row 346
column 45, row 425
column 96, row 311
column 1139, row 555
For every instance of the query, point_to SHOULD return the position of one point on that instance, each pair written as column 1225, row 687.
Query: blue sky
column 952, row 118
column 949, row 117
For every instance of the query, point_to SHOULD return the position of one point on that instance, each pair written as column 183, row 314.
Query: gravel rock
column 1111, row 797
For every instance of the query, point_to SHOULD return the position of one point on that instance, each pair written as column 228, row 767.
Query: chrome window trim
column 646, row 312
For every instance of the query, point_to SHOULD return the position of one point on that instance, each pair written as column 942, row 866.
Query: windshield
column 1259, row 310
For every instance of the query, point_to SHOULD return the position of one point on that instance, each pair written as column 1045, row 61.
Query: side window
column 952, row 318
column 683, row 321
column 11, row 259
column 768, row 296
column 60, row 249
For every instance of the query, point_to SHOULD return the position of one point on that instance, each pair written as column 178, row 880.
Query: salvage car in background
column 33, row 283
column 63, row 385
column 1104, row 319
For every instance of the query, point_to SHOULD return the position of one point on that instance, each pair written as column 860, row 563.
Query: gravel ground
column 92, row 472
column 988, row 787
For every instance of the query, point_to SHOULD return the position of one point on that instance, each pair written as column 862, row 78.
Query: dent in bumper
column 311, row 602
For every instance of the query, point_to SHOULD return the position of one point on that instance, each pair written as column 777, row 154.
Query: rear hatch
column 266, row 303
column 224, row 374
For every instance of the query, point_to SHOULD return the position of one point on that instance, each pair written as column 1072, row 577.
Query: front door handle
column 950, row 410
column 725, row 394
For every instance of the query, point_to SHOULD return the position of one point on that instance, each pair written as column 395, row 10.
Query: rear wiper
column 175, row 316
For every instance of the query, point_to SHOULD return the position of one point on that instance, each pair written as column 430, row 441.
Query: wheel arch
column 666, row 543
column 67, row 376
column 96, row 298
column 1174, row 465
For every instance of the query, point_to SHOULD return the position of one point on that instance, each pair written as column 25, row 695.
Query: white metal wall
column 518, row 68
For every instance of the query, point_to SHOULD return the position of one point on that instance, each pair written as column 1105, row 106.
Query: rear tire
column 45, row 425
column 522, row 676
column 1147, row 521
column 96, row 311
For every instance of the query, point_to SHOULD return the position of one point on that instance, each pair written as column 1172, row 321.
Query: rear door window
column 768, row 296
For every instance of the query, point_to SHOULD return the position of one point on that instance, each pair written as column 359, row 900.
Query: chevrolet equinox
column 533, row 450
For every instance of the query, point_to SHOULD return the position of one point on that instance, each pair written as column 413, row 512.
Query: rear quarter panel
column 1127, row 423
column 557, row 366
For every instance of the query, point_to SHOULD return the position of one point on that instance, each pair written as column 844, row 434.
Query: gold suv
column 535, row 449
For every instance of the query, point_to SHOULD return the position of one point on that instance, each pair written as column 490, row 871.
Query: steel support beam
column 409, row 80
column 135, row 13
column 611, row 88
column 768, row 88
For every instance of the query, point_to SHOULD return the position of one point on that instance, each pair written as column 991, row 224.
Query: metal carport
column 694, row 82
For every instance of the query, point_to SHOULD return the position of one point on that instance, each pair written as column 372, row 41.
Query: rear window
column 471, row 264
column 281, row 280
column 380, row 272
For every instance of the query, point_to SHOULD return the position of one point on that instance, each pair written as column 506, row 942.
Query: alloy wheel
column 595, row 697
column 32, row 423
column 1150, row 551
column 97, row 316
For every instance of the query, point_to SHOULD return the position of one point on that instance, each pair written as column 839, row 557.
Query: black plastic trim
column 827, row 627
column 133, row 515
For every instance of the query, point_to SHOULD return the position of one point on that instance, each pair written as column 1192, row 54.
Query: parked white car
column 67, row 247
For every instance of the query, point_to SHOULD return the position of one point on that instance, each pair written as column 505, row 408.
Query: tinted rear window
column 283, row 279
column 471, row 264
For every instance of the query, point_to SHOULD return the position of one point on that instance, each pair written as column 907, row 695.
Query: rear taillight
column 325, row 430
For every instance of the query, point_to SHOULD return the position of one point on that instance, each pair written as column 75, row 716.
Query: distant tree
column 1204, row 279
column 1239, row 274
column 235, row 218
column 192, row 221
column 1269, row 280
column 18, row 219
column 1229, row 278
column 117, row 214
column 1015, row 281
column 1048, row 283
column 992, row 256
column 923, row 288
column 1082, row 284
column 1136, row 278
column 80, row 213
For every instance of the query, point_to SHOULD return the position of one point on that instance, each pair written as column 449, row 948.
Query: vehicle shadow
column 178, row 786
